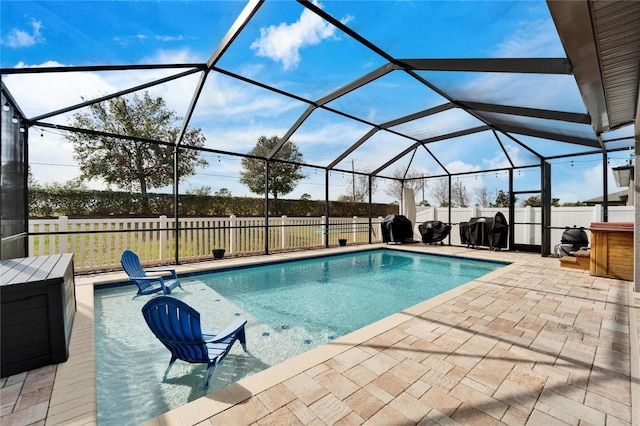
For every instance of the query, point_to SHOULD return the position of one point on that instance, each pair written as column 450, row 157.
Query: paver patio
column 532, row 343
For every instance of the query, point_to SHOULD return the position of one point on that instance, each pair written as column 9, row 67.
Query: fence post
column 63, row 223
column 528, row 229
column 380, row 227
column 597, row 213
column 232, row 234
column 325, row 231
column 283, row 232
column 355, row 229
column 434, row 213
column 164, row 237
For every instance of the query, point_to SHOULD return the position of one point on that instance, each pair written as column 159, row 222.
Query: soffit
column 602, row 41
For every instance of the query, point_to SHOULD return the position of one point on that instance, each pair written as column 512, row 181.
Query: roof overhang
column 602, row 41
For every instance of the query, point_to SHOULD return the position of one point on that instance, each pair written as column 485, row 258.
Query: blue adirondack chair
column 147, row 284
column 177, row 326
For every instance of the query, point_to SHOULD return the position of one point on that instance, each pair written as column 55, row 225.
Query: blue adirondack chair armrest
column 228, row 331
column 157, row 278
column 173, row 272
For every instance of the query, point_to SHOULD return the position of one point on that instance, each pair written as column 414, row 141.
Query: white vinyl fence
column 98, row 243
column 527, row 219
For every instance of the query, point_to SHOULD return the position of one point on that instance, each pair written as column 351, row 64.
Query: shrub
column 88, row 203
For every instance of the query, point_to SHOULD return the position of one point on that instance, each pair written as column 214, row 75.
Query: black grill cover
column 433, row 231
column 492, row 232
column 397, row 229
column 577, row 237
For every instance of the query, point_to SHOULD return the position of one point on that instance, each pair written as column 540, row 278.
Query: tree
column 134, row 165
column 283, row 176
column 535, row 201
column 75, row 184
column 440, row 191
column 502, row 199
column 482, row 196
column 460, row 195
column 411, row 180
column 204, row 190
column 359, row 191
column 32, row 183
column 574, row 204
column 305, row 197
column 222, row 192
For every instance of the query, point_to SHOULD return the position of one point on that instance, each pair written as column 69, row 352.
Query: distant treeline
column 54, row 202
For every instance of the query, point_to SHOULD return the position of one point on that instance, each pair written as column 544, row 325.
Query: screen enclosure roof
column 374, row 87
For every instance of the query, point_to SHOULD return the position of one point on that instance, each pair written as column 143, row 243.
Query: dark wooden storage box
column 38, row 303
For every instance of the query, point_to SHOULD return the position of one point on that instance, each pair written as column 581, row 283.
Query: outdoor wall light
column 14, row 119
column 22, row 129
column 622, row 175
column 5, row 106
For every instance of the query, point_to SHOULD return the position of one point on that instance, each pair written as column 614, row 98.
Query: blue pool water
column 342, row 293
column 290, row 307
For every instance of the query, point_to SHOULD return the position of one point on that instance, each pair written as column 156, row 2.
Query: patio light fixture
column 623, row 175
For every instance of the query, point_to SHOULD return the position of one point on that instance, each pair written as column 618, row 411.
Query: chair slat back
column 177, row 326
column 131, row 264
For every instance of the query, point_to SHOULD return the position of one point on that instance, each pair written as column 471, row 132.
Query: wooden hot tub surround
column 612, row 250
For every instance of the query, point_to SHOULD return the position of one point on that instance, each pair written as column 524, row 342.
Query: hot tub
column 612, row 250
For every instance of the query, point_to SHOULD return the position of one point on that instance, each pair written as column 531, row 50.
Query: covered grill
column 434, row 231
column 397, row 229
column 491, row 232
column 572, row 240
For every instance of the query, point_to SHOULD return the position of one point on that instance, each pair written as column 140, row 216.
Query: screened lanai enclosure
column 523, row 98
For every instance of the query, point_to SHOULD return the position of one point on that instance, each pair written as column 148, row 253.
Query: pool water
column 340, row 294
column 290, row 308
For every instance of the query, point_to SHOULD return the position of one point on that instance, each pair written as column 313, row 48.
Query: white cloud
column 283, row 42
column 229, row 99
column 172, row 56
column 20, row 38
column 239, row 139
column 532, row 39
column 42, row 93
column 461, row 167
column 500, row 161
column 51, row 157
column 530, row 90
column 580, row 183
column 536, row 39
column 169, row 38
column 229, row 113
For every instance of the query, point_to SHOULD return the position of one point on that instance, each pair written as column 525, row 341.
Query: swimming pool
column 291, row 308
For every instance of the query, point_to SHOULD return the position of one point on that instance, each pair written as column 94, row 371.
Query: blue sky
column 290, row 48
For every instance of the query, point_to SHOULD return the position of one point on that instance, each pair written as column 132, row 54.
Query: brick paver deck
column 530, row 344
